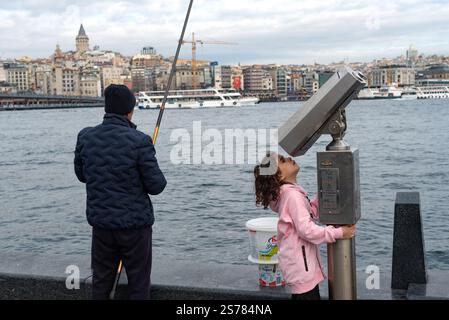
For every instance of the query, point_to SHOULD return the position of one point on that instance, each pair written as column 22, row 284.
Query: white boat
column 433, row 92
column 390, row 92
column 367, row 93
column 409, row 94
column 194, row 99
column 384, row 92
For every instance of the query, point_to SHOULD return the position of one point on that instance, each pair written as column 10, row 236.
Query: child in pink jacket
column 298, row 234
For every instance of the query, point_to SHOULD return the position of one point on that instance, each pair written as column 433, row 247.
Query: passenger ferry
column 432, row 92
column 390, row 92
column 410, row 93
column 385, row 92
column 194, row 99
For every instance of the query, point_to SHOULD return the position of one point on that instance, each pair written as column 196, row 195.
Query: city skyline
column 333, row 30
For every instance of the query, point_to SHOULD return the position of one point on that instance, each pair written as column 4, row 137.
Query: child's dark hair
column 267, row 186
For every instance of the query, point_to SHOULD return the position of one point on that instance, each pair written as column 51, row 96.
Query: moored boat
column 433, row 92
column 194, row 99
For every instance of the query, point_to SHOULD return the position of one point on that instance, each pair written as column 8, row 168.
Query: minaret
column 82, row 41
column 58, row 55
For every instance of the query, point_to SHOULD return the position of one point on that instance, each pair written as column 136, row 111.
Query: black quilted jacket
column 119, row 166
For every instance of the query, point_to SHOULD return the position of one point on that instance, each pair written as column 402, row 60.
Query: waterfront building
column 282, row 82
column 437, row 71
column 400, row 75
column 295, row 82
column 324, row 76
column 18, row 75
column 259, row 82
column 278, row 76
column 253, row 78
column 184, row 76
column 433, row 75
column 82, row 41
column 257, row 79
column 311, row 82
column 222, row 76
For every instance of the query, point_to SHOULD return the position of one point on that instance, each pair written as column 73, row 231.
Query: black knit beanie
column 119, row 99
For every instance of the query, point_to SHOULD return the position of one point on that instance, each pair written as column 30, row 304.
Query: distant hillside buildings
column 87, row 72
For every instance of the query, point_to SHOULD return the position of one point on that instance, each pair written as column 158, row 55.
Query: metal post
column 342, row 270
column 341, row 254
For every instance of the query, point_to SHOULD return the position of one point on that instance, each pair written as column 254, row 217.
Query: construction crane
column 194, row 43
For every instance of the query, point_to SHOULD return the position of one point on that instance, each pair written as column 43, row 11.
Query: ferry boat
column 410, row 93
column 390, row 92
column 384, row 92
column 194, row 99
column 366, row 94
column 433, row 92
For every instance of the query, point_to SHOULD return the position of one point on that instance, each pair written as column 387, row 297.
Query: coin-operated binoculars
column 337, row 169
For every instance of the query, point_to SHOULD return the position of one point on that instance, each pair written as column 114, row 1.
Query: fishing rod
column 158, row 123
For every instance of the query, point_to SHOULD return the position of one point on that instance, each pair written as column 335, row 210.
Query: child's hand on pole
column 348, row 231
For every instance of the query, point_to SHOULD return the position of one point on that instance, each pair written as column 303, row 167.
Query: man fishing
column 119, row 167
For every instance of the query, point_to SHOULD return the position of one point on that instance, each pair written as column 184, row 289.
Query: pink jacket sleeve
column 314, row 206
column 306, row 227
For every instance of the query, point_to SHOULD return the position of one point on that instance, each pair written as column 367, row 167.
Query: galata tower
column 82, row 41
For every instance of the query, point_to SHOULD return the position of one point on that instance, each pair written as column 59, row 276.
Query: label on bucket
column 271, row 249
column 270, row 275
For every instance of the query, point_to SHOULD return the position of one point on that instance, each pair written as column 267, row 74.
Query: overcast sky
column 266, row 31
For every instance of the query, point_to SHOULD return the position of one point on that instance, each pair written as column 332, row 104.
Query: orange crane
column 194, row 43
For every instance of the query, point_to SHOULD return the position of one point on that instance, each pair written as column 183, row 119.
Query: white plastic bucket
column 270, row 275
column 263, row 240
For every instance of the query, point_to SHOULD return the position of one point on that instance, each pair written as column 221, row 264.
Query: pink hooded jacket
column 299, row 237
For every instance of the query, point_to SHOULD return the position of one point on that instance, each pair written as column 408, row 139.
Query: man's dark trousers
column 134, row 247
